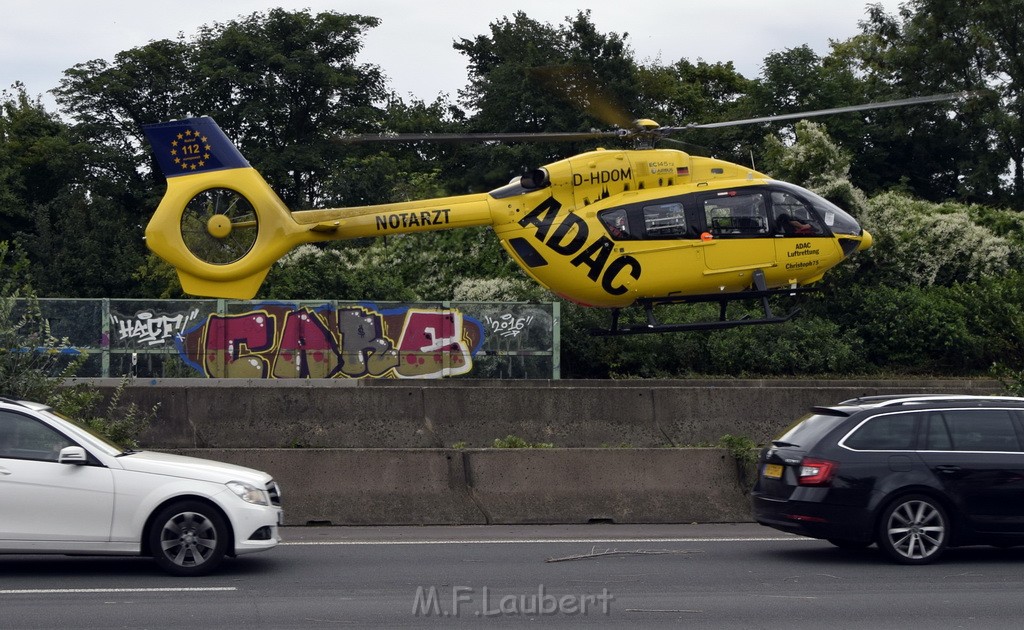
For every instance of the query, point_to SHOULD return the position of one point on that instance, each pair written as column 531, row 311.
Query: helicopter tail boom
column 222, row 226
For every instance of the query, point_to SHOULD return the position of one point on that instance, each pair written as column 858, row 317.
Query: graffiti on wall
column 507, row 325
column 289, row 341
column 149, row 328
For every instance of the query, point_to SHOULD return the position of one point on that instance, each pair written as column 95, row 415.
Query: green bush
column 118, row 420
column 35, row 365
column 512, row 441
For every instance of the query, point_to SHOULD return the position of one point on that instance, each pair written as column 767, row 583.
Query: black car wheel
column 914, row 530
column 188, row 538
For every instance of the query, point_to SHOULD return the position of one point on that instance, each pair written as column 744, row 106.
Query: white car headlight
column 248, row 492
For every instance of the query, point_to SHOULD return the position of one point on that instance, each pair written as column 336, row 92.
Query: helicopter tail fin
column 219, row 224
column 191, row 146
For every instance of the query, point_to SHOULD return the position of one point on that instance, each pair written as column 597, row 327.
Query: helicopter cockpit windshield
column 837, row 219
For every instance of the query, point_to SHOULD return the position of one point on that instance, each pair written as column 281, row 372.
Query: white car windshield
column 81, row 430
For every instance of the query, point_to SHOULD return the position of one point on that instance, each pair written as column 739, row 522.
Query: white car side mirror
column 72, row 455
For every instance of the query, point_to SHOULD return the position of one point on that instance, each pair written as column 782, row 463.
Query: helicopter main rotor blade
column 636, row 129
column 917, row 100
column 567, row 136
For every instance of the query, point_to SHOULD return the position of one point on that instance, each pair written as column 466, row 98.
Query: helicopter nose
column 865, row 241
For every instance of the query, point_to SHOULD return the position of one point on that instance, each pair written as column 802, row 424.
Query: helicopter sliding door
column 741, row 236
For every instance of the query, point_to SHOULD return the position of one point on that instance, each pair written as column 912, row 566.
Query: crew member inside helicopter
column 787, row 225
column 793, row 217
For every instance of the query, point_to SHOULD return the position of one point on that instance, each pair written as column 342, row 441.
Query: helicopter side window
column 617, row 223
column 793, row 217
column 665, row 220
column 737, row 215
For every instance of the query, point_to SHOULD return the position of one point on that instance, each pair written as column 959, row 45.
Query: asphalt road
column 693, row 576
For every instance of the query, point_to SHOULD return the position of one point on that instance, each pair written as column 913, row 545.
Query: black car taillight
column 816, row 472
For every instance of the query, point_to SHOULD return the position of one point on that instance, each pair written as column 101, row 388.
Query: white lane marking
column 64, row 591
column 499, row 541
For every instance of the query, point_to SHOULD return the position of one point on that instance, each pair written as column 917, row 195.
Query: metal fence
column 309, row 339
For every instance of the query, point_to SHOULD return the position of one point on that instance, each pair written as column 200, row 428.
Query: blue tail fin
column 192, row 145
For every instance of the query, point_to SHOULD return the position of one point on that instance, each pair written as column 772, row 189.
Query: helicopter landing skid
column 760, row 292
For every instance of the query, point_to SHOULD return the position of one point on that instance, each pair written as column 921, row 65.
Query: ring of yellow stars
column 219, row 226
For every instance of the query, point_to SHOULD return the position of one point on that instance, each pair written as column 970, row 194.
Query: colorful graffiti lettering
column 287, row 341
column 150, row 328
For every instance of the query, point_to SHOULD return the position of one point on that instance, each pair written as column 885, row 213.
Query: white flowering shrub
column 842, row 192
column 412, row 267
column 921, row 243
column 810, row 161
column 497, row 290
column 304, row 254
column 916, row 243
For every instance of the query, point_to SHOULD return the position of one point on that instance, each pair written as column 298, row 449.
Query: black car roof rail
column 891, row 400
column 835, row 410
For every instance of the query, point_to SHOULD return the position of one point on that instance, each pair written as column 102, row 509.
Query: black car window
column 891, row 432
column 809, row 429
column 936, row 435
column 981, row 430
column 22, row 437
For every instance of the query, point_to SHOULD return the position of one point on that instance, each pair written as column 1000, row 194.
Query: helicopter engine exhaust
column 535, row 179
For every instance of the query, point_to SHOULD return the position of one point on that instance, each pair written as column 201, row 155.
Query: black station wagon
column 914, row 474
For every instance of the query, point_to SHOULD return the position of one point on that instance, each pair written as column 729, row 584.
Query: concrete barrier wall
column 499, row 486
column 380, row 452
column 235, row 413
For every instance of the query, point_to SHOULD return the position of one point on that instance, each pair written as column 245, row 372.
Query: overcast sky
column 413, row 44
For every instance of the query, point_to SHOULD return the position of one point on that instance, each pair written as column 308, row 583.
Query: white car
column 65, row 490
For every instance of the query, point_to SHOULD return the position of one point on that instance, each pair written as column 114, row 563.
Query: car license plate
column 280, row 517
column 773, row 471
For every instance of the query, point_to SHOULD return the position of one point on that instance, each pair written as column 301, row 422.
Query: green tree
column 35, row 159
column 799, row 80
column 529, row 76
column 283, row 85
column 110, row 101
column 57, row 197
column 92, row 245
column 934, row 46
column 338, row 272
column 526, row 76
column 36, row 366
column 685, row 92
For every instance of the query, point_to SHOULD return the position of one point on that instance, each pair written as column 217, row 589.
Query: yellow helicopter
column 609, row 228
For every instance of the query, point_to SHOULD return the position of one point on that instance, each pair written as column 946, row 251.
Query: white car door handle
column 4, row 471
